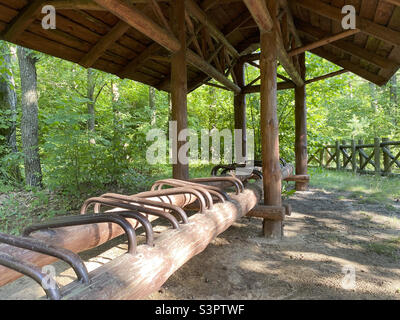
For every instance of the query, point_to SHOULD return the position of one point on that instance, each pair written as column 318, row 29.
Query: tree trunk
column 29, row 121
column 152, row 105
column 91, row 85
column 8, row 101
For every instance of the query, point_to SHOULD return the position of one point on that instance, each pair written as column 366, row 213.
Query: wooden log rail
column 382, row 157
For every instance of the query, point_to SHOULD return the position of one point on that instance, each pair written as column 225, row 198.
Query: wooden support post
column 270, row 129
column 360, row 142
column 377, row 155
column 386, row 158
column 337, row 155
column 353, row 156
column 301, row 127
column 179, row 86
column 240, row 112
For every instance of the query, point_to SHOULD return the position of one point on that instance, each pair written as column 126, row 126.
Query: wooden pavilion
column 178, row 45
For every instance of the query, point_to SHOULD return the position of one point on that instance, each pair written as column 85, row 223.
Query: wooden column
column 270, row 130
column 301, row 128
column 377, row 156
column 179, row 85
column 240, row 109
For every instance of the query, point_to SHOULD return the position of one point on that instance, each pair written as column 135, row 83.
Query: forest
column 69, row 129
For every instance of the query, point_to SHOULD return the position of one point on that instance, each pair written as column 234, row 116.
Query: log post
column 360, row 142
column 301, row 127
column 270, row 128
column 353, row 156
column 240, row 113
column 179, row 87
column 377, row 156
column 337, row 155
column 386, row 158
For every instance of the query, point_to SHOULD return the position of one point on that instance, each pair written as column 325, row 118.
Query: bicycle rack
column 128, row 206
column 42, row 247
column 33, row 272
column 233, row 180
column 86, row 219
column 205, row 189
column 175, row 191
column 137, row 200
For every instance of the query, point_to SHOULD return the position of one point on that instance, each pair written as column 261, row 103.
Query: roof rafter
column 105, row 42
column 366, row 26
column 349, row 47
column 346, row 64
column 23, row 20
column 195, row 11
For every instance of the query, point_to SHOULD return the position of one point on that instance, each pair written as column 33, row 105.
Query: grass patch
column 388, row 248
column 363, row 188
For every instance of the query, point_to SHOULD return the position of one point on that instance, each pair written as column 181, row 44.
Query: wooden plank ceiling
column 219, row 32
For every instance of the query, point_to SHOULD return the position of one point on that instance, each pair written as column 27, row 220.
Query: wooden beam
column 216, row 86
column 26, row 17
column 291, row 24
column 239, row 103
column 395, row 2
column 141, row 22
column 349, row 47
column 322, row 42
column 270, row 127
column 366, row 26
column 348, row 65
column 264, row 20
column 280, row 86
column 326, row 76
column 75, row 4
column 105, row 42
column 261, row 16
column 180, row 166
column 137, row 62
column 200, row 15
column 300, row 113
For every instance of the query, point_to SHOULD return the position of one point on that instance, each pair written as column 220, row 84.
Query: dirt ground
column 327, row 234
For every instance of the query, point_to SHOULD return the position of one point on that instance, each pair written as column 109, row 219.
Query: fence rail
column 383, row 159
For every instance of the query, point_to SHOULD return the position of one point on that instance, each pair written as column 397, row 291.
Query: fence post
column 344, row 157
column 386, row 158
column 337, row 155
column 321, row 157
column 353, row 156
column 377, row 155
column 361, row 142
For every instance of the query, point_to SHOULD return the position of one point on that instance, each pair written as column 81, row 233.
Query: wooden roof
column 219, row 32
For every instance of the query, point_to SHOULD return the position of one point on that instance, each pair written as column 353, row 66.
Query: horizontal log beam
column 256, row 88
column 142, row 23
column 137, row 276
column 298, row 178
column 26, row 17
column 346, row 64
column 395, row 2
column 76, row 239
column 366, row 26
column 322, row 42
column 105, row 42
column 326, row 76
column 348, row 47
column 75, row 4
column 276, row 213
